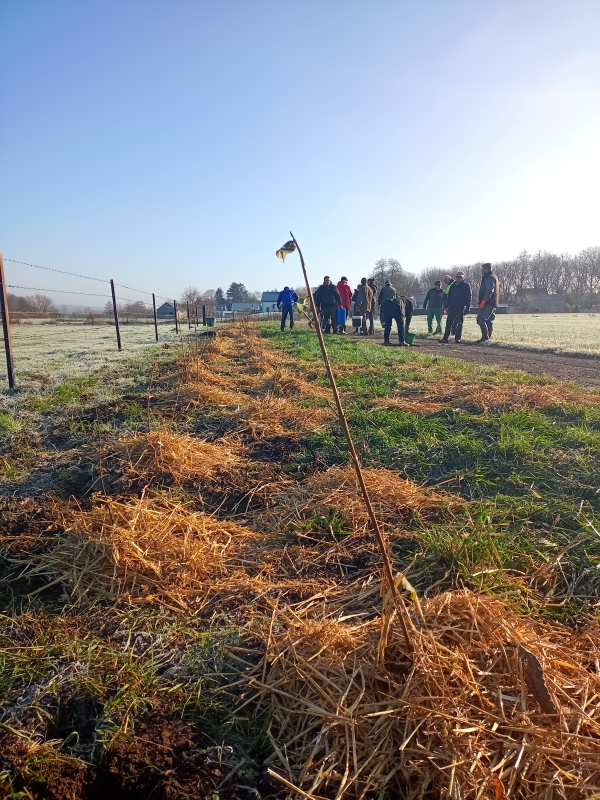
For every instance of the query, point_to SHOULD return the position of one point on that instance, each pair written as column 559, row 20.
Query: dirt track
column 575, row 369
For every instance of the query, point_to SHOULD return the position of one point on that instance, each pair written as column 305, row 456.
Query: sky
column 167, row 143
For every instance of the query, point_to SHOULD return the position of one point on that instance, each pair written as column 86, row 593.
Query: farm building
column 549, row 303
column 165, row 311
column 249, row 308
column 268, row 301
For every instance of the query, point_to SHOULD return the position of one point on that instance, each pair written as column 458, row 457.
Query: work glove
column 482, row 304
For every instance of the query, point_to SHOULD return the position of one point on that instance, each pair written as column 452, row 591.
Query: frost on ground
column 53, row 354
column 565, row 333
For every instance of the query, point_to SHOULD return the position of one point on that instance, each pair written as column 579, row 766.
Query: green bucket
column 410, row 338
column 210, row 322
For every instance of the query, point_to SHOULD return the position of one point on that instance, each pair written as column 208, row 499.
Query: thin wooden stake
column 155, row 319
column 175, row 310
column 187, row 302
column 115, row 312
column 204, row 316
column 387, row 564
column 6, row 327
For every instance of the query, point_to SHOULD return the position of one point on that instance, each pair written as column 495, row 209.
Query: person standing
column 458, row 304
column 345, row 293
column 363, row 302
column 435, row 300
column 371, row 313
column 285, row 303
column 489, row 292
column 387, row 293
column 400, row 310
column 327, row 302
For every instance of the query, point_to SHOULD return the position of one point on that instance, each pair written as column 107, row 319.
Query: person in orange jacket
column 346, row 298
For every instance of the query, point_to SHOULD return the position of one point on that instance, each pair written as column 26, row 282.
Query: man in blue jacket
column 285, row 303
column 458, row 303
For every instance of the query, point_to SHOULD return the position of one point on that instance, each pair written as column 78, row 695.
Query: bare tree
column 41, row 302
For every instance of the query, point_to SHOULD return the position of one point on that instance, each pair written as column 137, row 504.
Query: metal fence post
column 155, row 319
column 175, row 310
column 6, row 327
column 204, row 316
column 114, row 299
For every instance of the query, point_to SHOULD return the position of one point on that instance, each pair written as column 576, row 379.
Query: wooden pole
column 176, row 322
column 387, row 564
column 155, row 318
column 204, row 316
column 187, row 302
column 6, row 327
column 114, row 299
column 196, row 317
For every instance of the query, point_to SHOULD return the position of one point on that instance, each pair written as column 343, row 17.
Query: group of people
column 454, row 300
column 333, row 304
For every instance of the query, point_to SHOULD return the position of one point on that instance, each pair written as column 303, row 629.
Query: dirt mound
column 167, row 760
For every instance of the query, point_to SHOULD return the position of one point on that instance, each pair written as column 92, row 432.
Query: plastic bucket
column 410, row 338
column 210, row 322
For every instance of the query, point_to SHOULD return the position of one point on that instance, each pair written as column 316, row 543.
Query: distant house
column 249, row 308
column 546, row 303
column 268, row 301
column 166, row 311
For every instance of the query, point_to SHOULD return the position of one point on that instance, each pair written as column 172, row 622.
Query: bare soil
column 168, row 759
column 583, row 370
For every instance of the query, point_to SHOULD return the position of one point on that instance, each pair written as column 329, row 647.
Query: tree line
column 40, row 303
column 577, row 277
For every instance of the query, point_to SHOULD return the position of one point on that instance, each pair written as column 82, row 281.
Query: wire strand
column 66, row 291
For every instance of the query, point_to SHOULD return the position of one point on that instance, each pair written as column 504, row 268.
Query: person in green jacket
column 387, row 293
column 434, row 303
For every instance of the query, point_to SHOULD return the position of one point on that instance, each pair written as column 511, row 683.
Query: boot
column 484, row 333
column 387, row 343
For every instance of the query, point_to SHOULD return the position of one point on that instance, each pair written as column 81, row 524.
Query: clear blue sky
column 169, row 142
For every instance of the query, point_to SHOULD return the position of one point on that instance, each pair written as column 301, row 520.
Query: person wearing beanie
column 345, row 293
column 363, row 302
column 489, row 292
column 387, row 293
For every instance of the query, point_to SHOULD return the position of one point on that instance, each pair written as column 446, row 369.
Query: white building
column 268, row 301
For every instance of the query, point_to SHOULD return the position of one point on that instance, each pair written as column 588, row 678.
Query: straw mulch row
column 147, row 549
column 488, row 705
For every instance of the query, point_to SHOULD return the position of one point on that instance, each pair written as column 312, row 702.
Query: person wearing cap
column 285, row 303
column 371, row 313
column 400, row 310
column 489, row 291
column 345, row 293
column 387, row 293
column 458, row 304
column 435, row 300
column 327, row 301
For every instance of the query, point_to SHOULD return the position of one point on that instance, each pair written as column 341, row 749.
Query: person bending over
column 285, row 303
column 400, row 310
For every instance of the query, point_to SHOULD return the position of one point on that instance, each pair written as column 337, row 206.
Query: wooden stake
column 187, row 302
column 387, row 564
column 155, row 319
column 175, row 310
column 114, row 299
column 6, row 327
column 204, row 316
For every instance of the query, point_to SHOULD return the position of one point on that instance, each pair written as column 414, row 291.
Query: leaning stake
column 353, row 454
column 6, row 328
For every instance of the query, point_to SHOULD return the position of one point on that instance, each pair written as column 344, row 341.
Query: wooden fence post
column 155, row 319
column 187, row 302
column 176, row 321
column 6, row 327
column 204, row 316
column 114, row 299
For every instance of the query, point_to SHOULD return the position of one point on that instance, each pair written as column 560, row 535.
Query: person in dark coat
column 458, row 304
column 435, row 300
column 327, row 302
column 489, row 291
column 400, row 310
column 285, row 303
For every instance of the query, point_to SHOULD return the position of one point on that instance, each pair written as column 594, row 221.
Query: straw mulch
column 277, row 416
column 394, row 498
column 489, row 705
column 145, row 549
column 157, row 453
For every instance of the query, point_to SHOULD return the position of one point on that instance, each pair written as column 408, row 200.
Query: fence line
column 197, row 315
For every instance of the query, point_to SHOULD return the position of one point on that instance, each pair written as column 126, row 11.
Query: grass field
column 191, row 593
column 565, row 333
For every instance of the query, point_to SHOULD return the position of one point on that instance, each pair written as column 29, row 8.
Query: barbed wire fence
column 119, row 310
